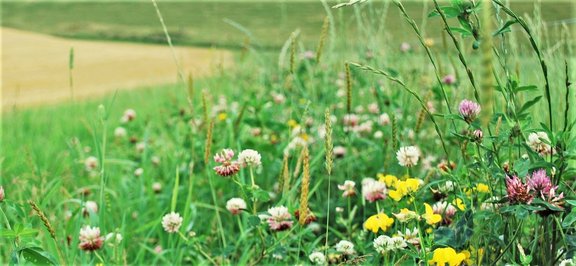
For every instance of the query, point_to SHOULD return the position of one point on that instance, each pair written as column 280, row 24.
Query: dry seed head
column 205, row 106
column 208, row 142
column 329, row 147
column 298, row 164
column 394, row 132
column 43, row 218
column 323, row 36
column 285, row 176
column 422, row 113
column 305, row 187
column 292, row 52
column 487, row 79
column 348, row 89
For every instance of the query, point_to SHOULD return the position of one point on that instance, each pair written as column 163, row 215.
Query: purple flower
column 518, row 192
column 469, row 110
column 539, row 182
column 449, row 79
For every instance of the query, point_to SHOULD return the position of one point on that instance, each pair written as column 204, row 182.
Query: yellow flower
column 430, row 216
column 304, row 136
column 222, row 116
column 390, row 180
column 395, row 194
column 406, row 215
column 446, row 255
column 482, row 188
column 292, row 123
column 378, row 221
column 473, row 256
column 429, row 230
column 459, row 203
column 412, row 184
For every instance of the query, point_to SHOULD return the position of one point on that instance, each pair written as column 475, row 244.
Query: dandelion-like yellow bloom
column 390, row 180
column 430, row 216
column 482, row 188
column 377, row 222
column 459, row 203
column 446, row 255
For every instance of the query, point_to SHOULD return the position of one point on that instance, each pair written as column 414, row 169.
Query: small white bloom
column 156, row 187
column 317, row 258
column 538, row 142
column 90, row 207
column 249, row 157
column 345, row 247
column 140, row 147
column 408, row 156
column 567, row 262
column 172, row 222
column 120, row 132
column 128, row 115
column 91, row 163
column 384, row 119
column 138, row 172
column 378, row 134
column 236, row 205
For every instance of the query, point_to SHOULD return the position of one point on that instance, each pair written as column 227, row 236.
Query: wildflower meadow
column 444, row 136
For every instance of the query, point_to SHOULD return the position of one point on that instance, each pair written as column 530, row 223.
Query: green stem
column 220, row 227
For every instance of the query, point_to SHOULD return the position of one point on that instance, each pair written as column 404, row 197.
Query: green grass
column 202, row 23
column 44, row 148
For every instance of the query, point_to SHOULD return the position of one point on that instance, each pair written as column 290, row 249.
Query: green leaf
column 444, row 236
column 571, row 202
column 38, row 256
column 529, row 104
column 261, row 195
column 449, row 12
column 253, row 220
column 462, row 31
column 7, row 233
column 505, row 27
column 526, row 88
column 569, row 219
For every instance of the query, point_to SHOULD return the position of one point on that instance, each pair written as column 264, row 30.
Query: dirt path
column 35, row 67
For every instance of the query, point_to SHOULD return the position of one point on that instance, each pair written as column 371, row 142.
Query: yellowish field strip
column 35, row 67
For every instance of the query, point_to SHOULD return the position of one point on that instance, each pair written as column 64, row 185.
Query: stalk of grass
column 103, row 121
column 285, row 176
column 429, row 53
column 394, row 132
column 304, row 186
column 169, row 40
column 329, row 151
column 49, row 227
column 323, row 37
column 348, row 89
column 487, row 70
column 567, row 99
column 459, row 49
column 70, row 74
column 293, row 52
column 211, row 183
column 536, row 49
column 403, row 85
column 205, row 107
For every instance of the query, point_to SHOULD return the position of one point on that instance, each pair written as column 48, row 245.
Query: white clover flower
column 172, row 222
column 317, row 258
column 90, row 207
column 91, row 163
column 128, row 115
column 567, row 262
column 236, row 205
column 250, row 158
column 138, row 171
column 384, row 244
column 538, row 142
column 408, row 156
column 157, row 187
column 120, row 132
column 345, row 247
column 410, row 236
column 90, row 238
